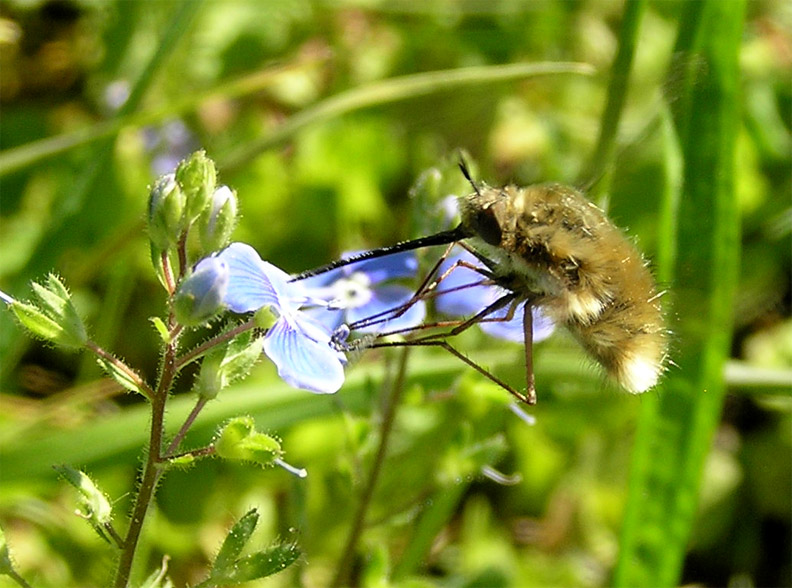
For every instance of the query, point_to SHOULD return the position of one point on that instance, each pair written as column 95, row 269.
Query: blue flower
column 300, row 347
column 362, row 291
column 458, row 296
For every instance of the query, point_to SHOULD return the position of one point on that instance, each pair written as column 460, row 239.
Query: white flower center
column 351, row 292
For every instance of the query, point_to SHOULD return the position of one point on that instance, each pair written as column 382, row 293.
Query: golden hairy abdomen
column 605, row 293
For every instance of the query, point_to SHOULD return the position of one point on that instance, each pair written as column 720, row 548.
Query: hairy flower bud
column 166, row 212
column 218, row 220
column 197, row 178
column 199, row 297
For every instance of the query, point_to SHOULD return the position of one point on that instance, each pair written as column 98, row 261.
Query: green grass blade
column 394, row 90
column 677, row 425
column 617, row 93
column 35, row 152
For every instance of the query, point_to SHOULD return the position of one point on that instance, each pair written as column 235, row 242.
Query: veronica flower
column 469, row 300
column 363, row 290
column 299, row 345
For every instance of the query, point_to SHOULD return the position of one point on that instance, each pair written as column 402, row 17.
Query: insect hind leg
column 527, row 398
column 439, row 340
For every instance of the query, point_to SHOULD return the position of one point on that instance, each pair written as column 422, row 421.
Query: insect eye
column 486, row 226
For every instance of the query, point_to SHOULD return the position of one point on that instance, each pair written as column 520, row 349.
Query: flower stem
column 196, row 453
column 110, row 529
column 145, row 494
column 151, row 471
column 205, row 346
column 174, row 445
column 388, row 418
column 167, row 273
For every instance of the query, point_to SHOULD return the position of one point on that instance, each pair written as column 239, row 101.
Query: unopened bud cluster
column 190, row 195
column 185, row 202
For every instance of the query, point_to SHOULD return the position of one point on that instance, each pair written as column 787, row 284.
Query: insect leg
column 526, row 398
column 426, row 290
column 420, row 292
column 530, row 382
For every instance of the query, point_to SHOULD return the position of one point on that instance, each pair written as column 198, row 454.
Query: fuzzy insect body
column 555, row 249
column 551, row 247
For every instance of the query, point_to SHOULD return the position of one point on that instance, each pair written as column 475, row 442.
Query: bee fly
column 551, row 247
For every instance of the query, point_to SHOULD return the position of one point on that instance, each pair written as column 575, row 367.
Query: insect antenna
column 466, row 172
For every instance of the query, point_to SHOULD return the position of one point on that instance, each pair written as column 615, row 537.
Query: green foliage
column 230, row 570
column 676, row 431
column 229, row 363
column 53, row 316
column 98, row 511
column 321, row 116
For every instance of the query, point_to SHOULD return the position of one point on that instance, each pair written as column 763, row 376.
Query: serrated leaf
column 258, row 565
column 235, row 542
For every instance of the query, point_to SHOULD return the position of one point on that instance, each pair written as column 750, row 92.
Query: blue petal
column 253, row 283
column 302, row 362
column 323, row 279
column 469, row 299
column 397, row 265
column 384, row 299
column 330, row 319
column 543, row 327
column 513, row 330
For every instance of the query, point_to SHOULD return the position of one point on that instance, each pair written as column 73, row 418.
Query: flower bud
column 219, row 220
column 166, row 212
column 210, row 379
column 239, row 440
column 197, row 178
column 199, row 297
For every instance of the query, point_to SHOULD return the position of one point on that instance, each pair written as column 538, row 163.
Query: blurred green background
column 98, row 98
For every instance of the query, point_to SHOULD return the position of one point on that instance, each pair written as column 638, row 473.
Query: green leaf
column 239, row 440
column 54, row 318
column 35, row 321
column 119, row 374
column 257, row 565
column 97, row 507
column 162, row 329
column 235, row 542
column 229, row 363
